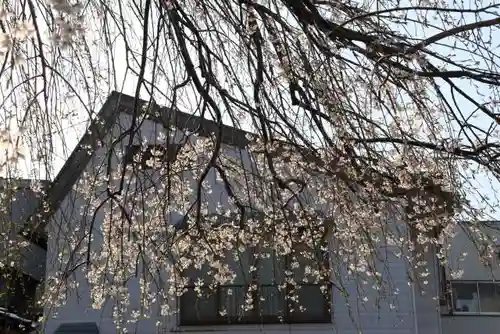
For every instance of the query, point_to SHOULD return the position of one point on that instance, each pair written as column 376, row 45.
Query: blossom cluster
column 69, row 21
column 17, row 31
column 168, row 218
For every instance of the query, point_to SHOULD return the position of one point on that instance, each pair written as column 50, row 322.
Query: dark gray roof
column 25, row 199
column 202, row 126
column 101, row 125
column 78, row 328
column 21, row 183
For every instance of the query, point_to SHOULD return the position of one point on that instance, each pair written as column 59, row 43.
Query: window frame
column 453, row 299
column 254, row 317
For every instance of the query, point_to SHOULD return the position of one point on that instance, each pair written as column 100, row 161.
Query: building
column 23, row 256
column 104, row 147
column 474, row 302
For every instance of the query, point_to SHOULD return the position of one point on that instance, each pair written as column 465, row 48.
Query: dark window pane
column 239, row 263
column 271, row 267
column 489, row 295
column 465, row 297
column 17, row 293
column 272, row 303
column 198, row 308
column 231, row 303
column 310, row 304
column 269, row 302
column 4, row 293
column 308, row 266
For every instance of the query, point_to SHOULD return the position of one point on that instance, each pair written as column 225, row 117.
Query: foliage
column 371, row 123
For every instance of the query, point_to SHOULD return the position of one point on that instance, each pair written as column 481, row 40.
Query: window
column 267, row 289
column 476, row 297
column 17, row 293
column 146, row 157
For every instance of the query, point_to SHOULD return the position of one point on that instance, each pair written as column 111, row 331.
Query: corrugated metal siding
column 351, row 315
column 78, row 328
column 470, row 324
column 426, row 306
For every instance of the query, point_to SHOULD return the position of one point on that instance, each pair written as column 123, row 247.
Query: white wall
column 351, row 313
column 473, row 268
column 77, row 308
column 470, row 324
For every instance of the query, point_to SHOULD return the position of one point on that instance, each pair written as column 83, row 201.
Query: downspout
column 437, row 281
column 415, row 319
column 413, row 295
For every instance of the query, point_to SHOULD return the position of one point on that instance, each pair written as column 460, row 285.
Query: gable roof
column 116, row 104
